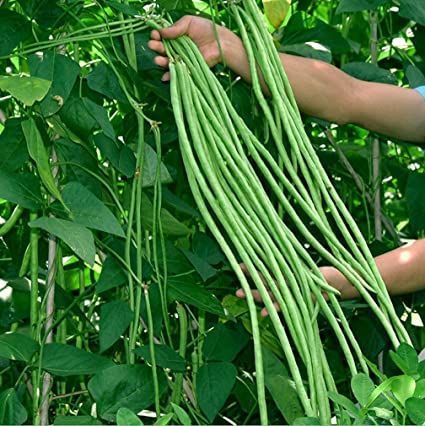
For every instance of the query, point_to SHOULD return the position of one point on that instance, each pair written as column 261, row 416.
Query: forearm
column 402, row 269
column 324, row 91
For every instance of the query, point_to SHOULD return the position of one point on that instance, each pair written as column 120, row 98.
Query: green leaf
column 22, row 189
column 75, row 420
column 415, row 76
column 126, row 417
column 100, row 115
column 164, row 420
column 276, row 11
column 12, row 146
column 64, row 360
column 203, row 268
column 206, row 248
column 86, row 209
column 403, row 387
column 17, row 346
column 420, row 389
column 120, row 156
column 115, row 317
column 311, row 50
column 77, row 237
column 14, row 29
column 39, row 154
column 112, row 275
column 214, row 383
column 182, row 290
column 103, row 80
column 406, row 359
column 76, row 117
column 171, row 5
column 165, row 357
column 150, row 168
column 281, row 387
column 62, row 71
column 362, row 387
column 181, row 414
column 415, row 194
column 12, row 412
column 346, row 6
column 224, row 342
column 345, row 403
column 27, row 90
column 415, row 408
column 128, row 386
column 414, row 10
column 170, row 225
column 369, row 72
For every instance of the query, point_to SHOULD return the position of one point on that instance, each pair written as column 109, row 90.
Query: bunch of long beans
column 227, row 168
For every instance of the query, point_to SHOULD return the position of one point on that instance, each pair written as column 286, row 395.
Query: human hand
column 202, row 32
column 332, row 276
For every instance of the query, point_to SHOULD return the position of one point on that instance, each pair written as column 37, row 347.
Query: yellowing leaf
column 276, row 11
column 26, row 89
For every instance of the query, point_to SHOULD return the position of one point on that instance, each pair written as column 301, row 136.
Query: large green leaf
column 415, row 194
column 203, row 268
column 103, row 80
column 17, row 346
column 150, row 168
column 281, row 387
column 65, row 360
column 12, row 412
column 181, row 289
column 224, row 342
column 120, row 155
column 14, row 29
column 346, row 6
column 38, row 153
column 77, row 237
column 126, row 417
column 86, row 209
column 165, row 357
column 414, row 10
column 112, row 275
column 115, row 317
column 403, row 388
column 76, row 420
column 170, row 225
column 362, row 387
column 63, row 73
column 214, row 382
column 22, row 189
column 12, row 146
column 369, row 72
column 100, row 115
column 128, row 386
column 406, row 359
column 27, row 90
column 416, row 410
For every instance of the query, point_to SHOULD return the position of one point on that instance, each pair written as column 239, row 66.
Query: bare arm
column 402, row 269
column 324, row 91
column 321, row 90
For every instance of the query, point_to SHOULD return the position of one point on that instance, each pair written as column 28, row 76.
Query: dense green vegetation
column 144, row 317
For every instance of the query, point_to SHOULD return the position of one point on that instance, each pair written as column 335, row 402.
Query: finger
column 241, row 294
column 210, row 56
column 157, row 46
column 179, row 29
column 256, row 295
column 166, row 77
column 155, row 35
column 162, row 61
column 265, row 312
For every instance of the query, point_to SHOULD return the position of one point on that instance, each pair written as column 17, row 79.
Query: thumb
column 180, row 28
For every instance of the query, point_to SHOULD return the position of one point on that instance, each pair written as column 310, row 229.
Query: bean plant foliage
column 117, row 305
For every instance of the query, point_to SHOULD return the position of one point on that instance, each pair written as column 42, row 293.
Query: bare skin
column 324, row 91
